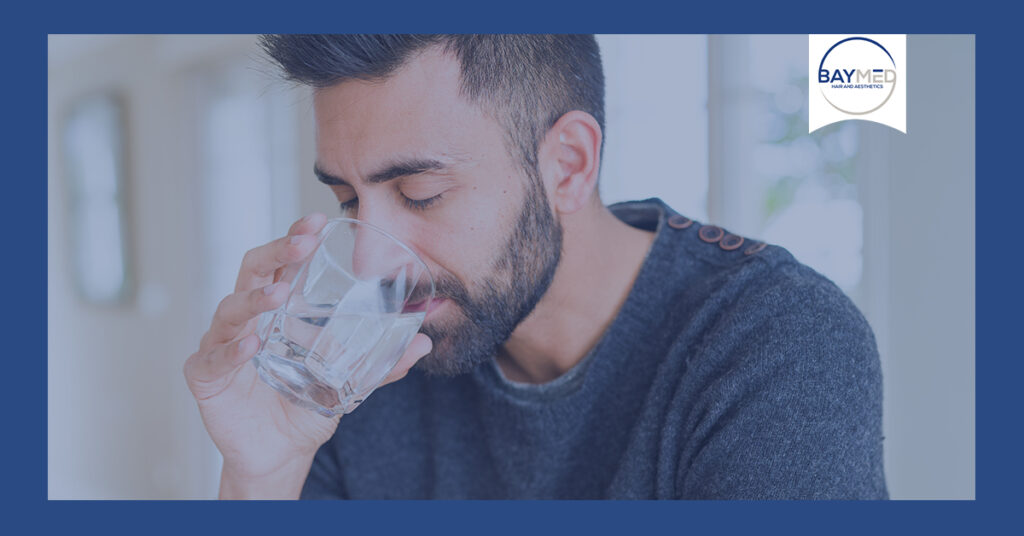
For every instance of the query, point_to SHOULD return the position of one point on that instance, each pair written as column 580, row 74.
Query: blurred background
column 170, row 156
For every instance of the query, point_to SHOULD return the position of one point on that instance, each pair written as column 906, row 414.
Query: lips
column 423, row 305
column 434, row 304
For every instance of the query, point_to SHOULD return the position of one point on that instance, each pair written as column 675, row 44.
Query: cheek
column 465, row 250
column 468, row 232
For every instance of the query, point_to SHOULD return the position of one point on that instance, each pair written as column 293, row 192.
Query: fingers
column 259, row 264
column 420, row 346
column 310, row 224
column 235, row 311
column 208, row 370
column 205, row 371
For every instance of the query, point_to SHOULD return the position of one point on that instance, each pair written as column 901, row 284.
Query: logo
column 857, row 77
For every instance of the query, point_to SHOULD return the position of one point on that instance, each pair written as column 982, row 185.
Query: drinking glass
column 353, row 307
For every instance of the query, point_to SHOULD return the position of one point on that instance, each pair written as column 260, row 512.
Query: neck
column 601, row 257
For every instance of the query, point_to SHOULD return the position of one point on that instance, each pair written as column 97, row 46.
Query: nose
column 383, row 252
column 375, row 254
column 383, row 263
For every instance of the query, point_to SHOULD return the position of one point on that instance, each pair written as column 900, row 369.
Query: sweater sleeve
column 784, row 399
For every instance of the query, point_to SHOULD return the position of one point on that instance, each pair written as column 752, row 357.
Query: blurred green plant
column 836, row 175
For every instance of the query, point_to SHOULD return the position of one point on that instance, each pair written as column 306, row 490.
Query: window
column 93, row 165
column 656, row 120
column 247, row 154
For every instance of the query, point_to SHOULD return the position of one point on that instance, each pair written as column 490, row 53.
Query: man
column 574, row 350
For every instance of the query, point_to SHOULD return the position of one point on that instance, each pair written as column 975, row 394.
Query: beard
column 519, row 277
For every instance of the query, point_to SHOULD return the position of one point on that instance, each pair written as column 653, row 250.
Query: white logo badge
column 857, row 77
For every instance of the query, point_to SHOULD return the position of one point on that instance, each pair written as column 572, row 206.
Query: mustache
column 445, row 286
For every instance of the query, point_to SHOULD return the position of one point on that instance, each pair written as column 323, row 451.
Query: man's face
column 411, row 156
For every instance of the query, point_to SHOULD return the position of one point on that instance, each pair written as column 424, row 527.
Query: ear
column 569, row 158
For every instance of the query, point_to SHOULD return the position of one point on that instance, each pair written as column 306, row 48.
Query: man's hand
column 267, row 442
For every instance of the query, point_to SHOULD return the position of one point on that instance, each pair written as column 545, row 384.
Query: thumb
column 420, row 346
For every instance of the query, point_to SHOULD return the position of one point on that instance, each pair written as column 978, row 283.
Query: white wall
column 929, row 368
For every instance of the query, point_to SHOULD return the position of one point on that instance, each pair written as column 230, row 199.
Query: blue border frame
column 997, row 291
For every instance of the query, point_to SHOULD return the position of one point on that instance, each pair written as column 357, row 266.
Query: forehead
column 417, row 110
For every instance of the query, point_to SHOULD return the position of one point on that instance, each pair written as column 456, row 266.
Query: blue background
column 998, row 288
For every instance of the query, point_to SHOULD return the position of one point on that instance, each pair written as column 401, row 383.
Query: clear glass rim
column 333, row 222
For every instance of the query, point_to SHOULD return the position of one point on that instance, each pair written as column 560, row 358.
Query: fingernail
column 269, row 289
column 247, row 345
column 294, row 240
column 424, row 345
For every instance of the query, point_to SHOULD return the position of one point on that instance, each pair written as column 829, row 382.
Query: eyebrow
column 396, row 168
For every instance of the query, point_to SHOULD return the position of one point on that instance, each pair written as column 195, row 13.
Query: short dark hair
column 526, row 81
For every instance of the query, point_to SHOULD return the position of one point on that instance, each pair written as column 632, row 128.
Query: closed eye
column 348, row 205
column 413, row 204
column 421, row 204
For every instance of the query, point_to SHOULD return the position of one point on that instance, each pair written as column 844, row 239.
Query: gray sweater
column 730, row 372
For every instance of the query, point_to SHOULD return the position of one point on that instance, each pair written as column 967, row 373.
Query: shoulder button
column 758, row 246
column 678, row 221
column 730, row 242
column 711, row 233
